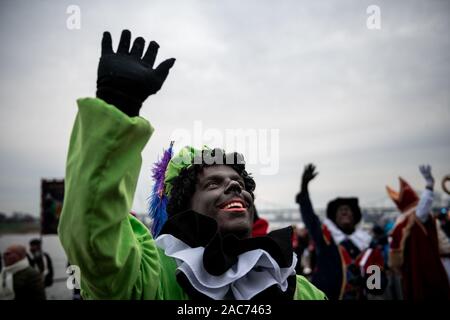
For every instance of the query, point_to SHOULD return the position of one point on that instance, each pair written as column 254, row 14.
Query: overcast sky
column 366, row 106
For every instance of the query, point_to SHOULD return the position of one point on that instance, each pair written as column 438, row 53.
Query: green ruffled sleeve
column 115, row 252
column 305, row 290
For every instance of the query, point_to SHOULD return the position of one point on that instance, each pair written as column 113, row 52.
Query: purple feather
column 158, row 200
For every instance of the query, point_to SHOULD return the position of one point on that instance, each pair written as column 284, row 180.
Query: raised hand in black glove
column 308, row 174
column 124, row 78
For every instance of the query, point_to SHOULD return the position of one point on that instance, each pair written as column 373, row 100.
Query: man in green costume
column 204, row 249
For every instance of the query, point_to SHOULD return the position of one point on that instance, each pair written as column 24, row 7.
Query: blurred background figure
column 304, row 248
column 444, row 221
column 442, row 226
column 41, row 261
column 414, row 246
column 343, row 251
column 260, row 225
column 380, row 241
column 18, row 280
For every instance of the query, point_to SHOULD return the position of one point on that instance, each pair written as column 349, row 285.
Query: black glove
column 308, row 174
column 124, row 79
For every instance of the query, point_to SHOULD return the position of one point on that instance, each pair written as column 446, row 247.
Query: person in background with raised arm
column 414, row 249
column 342, row 250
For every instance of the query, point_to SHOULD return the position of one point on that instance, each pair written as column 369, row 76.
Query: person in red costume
column 414, row 251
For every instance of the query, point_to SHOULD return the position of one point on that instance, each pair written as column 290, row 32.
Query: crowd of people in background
column 411, row 256
column 25, row 275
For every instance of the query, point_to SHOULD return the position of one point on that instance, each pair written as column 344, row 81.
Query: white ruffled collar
column 254, row 271
column 359, row 237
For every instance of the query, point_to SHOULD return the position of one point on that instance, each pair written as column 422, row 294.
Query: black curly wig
column 183, row 186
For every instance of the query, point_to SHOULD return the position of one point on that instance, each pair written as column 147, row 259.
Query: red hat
column 406, row 198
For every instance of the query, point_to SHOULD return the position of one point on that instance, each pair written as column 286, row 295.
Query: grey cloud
column 365, row 105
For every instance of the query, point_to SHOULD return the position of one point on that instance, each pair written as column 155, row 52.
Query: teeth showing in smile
column 234, row 205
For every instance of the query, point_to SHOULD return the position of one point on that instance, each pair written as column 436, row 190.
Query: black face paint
column 220, row 194
column 344, row 219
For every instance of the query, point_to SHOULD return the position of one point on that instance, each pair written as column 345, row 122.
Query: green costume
column 117, row 256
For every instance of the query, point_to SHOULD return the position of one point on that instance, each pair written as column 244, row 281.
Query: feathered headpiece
column 158, row 198
column 164, row 172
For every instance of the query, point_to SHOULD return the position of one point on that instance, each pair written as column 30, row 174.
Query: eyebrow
column 216, row 177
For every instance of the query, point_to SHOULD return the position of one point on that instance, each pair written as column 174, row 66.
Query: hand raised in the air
column 127, row 77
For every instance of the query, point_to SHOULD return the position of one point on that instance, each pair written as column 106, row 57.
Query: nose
column 233, row 186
